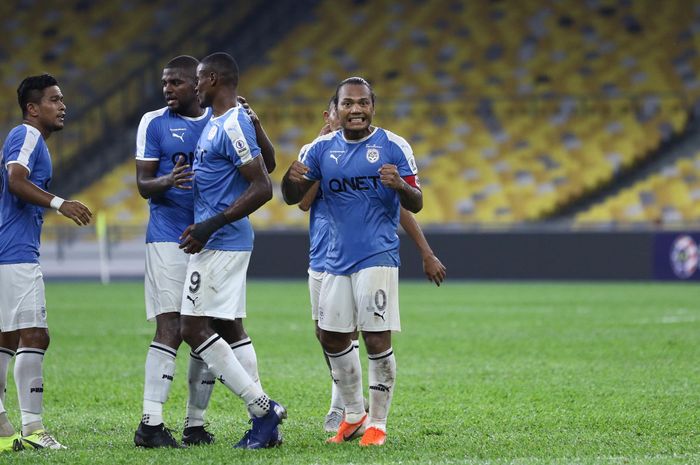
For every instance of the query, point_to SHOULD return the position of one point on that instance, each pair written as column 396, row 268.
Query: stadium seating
column 115, row 196
column 514, row 110
column 670, row 197
column 96, row 50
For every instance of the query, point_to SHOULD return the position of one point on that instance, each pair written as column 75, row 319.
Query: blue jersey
column 318, row 227
column 363, row 213
column 20, row 222
column 227, row 142
column 164, row 136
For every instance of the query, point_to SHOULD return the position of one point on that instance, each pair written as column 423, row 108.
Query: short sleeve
column 147, row 138
column 22, row 147
column 404, row 159
column 311, row 160
column 240, row 143
column 302, row 152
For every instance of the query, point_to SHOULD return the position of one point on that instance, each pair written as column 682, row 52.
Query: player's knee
column 334, row 343
column 168, row 332
column 193, row 331
column 169, row 338
column 231, row 330
column 9, row 340
column 377, row 342
column 37, row 338
column 188, row 331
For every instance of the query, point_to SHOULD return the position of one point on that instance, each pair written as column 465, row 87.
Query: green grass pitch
column 488, row 373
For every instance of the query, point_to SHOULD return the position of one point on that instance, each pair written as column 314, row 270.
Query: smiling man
column 366, row 174
column 25, row 174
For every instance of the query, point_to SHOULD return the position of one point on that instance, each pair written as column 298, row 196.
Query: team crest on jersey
column 212, row 133
column 240, row 146
column 372, row 155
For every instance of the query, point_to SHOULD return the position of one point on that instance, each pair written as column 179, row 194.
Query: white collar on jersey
column 360, row 140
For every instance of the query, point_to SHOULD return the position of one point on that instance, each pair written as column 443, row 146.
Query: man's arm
column 411, row 197
column 150, row 186
column 294, row 184
column 20, row 185
column 310, row 197
column 264, row 142
column 258, row 192
column 432, row 266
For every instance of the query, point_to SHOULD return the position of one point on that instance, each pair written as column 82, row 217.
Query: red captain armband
column 412, row 180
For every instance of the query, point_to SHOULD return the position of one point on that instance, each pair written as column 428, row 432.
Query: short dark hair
column 224, row 65
column 182, row 62
column 353, row 80
column 31, row 89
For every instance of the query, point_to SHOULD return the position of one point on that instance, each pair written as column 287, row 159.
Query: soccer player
column 25, row 174
column 366, row 174
column 230, row 182
column 165, row 145
column 318, row 239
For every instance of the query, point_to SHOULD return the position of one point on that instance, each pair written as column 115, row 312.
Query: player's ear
column 32, row 109
column 213, row 77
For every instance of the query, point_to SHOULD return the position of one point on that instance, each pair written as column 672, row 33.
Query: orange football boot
column 373, row 437
column 348, row 431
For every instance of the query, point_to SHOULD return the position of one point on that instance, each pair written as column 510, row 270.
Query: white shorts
column 166, row 266
column 367, row 300
column 315, row 280
column 215, row 284
column 22, row 297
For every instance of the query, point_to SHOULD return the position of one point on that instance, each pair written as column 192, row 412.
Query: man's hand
column 189, row 243
column 434, row 269
column 181, row 175
column 196, row 236
column 297, row 171
column 389, row 176
column 76, row 211
column 326, row 129
column 246, row 106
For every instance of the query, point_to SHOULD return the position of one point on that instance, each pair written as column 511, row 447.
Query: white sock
column 201, row 384
column 347, row 373
column 336, row 399
column 382, row 375
column 245, row 353
column 30, row 388
column 223, row 364
column 5, row 358
column 6, row 428
column 160, row 371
